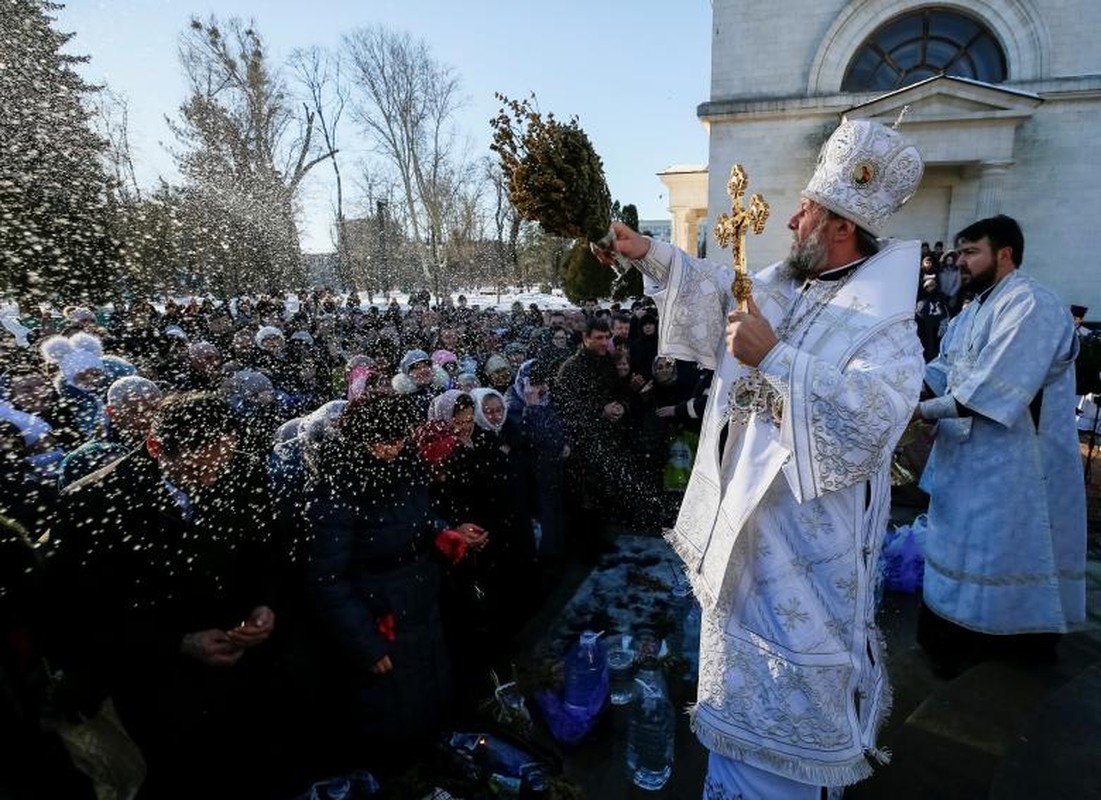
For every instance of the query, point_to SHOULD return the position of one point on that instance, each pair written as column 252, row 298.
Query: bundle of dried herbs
column 554, row 175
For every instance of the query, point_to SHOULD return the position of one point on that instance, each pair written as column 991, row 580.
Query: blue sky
column 632, row 72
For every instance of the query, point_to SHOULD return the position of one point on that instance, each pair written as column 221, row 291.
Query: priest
column 782, row 519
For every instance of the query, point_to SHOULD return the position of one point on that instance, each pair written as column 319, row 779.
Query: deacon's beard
column 808, row 257
column 977, row 284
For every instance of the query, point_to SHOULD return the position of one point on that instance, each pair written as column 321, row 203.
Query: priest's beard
column 808, row 257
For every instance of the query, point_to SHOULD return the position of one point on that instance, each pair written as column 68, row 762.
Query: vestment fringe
column 798, row 768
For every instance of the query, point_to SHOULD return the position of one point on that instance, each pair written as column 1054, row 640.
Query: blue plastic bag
column 901, row 563
column 354, row 786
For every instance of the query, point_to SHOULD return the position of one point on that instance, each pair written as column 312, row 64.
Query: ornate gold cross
column 730, row 229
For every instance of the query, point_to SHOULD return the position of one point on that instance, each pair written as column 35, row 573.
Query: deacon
column 1005, row 553
column 783, row 515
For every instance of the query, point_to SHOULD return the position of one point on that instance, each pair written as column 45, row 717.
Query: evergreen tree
column 631, row 284
column 585, row 276
column 55, row 240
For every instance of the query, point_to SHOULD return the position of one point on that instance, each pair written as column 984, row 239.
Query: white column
column 991, row 187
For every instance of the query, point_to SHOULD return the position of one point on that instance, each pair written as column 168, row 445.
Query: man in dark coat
column 163, row 567
column 595, row 420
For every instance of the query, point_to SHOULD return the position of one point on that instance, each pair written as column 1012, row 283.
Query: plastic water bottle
column 586, row 671
column 685, row 636
column 650, row 735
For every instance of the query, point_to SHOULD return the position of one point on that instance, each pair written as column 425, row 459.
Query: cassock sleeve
column 841, row 425
column 1032, row 337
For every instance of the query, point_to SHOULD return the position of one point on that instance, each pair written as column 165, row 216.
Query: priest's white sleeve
column 693, row 298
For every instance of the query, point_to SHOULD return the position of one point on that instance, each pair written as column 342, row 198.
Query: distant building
column 660, row 229
column 1002, row 97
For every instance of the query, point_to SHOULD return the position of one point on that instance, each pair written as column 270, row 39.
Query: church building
column 1002, row 98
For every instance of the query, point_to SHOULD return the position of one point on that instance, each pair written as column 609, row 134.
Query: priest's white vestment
column 781, row 531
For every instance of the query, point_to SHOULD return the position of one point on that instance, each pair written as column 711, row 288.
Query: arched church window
column 921, row 44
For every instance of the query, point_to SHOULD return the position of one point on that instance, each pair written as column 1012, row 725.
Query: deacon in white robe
column 1005, row 550
column 782, row 519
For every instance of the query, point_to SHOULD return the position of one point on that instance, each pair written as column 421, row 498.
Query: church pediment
column 954, row 120
column 946, row 98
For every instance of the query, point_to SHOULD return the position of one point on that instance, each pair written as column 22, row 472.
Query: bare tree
column 111, row 119
column 506, row 222
column 404, row 103
column 319, row 72
column 241, row 159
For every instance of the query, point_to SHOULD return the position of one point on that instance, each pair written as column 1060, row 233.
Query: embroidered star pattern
column 792, row 614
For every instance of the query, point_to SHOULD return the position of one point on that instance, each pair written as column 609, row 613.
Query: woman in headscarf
column 374, row 546
column 506, row 507
column 468, row 485
column 539, row 438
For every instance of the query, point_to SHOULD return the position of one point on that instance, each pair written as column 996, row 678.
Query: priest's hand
column 749, row 336
column 627, row 243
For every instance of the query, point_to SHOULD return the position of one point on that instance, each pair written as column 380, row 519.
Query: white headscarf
column 443, row 405
column 480, row 396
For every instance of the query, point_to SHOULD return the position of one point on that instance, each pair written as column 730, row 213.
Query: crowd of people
column 250, row 527
column 942, row 293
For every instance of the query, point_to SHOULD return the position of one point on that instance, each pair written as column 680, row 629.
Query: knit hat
column 247, row 384
column 413, row 357
column 117, row 367
column 265, row 332
column 865, row 172
column 496, row 362
column 302, row 336
column 133, row 387
column 441, row 357
column 73, row 355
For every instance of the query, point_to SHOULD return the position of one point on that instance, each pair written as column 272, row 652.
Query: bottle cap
column 589, row 638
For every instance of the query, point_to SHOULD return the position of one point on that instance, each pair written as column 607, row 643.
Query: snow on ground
column 485, row 298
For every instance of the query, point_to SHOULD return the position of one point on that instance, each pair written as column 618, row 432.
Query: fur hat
column 865, row 172
column 73, row 355
column 78, row 315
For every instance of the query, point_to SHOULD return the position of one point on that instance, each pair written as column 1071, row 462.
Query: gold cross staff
column 730, row 229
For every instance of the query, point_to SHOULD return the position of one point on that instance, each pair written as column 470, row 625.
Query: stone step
column 954, row 743
column 1057, row 753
